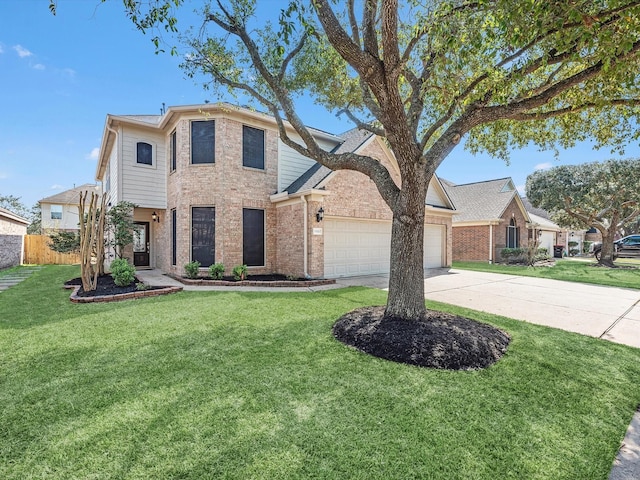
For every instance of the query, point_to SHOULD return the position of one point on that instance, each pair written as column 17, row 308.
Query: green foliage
column 509, row 253
column 586, row 245
column 14, row 205
column 216, row 271
column 123, row 272
column 192, row 269
column 141, row 286
column 64, row 242
column 121, row 226
column 239, row 272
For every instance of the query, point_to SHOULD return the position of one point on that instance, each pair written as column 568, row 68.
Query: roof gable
column 71, row 196
column 483, row 201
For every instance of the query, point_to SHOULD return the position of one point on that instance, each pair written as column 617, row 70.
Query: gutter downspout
column 490, row 244
column 305, row 236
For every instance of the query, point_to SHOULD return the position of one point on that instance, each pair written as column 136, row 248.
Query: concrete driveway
column 604, row 312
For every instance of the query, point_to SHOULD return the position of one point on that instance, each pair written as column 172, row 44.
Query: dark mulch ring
column 440, row 340
column 106, row 286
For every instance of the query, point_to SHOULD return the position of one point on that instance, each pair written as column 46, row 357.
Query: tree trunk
column 406, row 280
column 607, row 251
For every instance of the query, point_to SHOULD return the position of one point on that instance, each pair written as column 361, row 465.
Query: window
column 203, row 235
column 56, row 212
column 252, row 147
column 172, row 150
column 253, row 237
column 144, row 153
column 203, row 142
column 174, row 236
column 513, row 235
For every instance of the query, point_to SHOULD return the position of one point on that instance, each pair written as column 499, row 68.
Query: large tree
column 423, row 75
column 604, row 195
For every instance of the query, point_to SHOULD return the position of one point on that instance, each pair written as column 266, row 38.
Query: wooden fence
column 37, row 251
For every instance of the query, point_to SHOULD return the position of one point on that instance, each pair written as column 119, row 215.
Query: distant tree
column 35, row 227
column 121, row 226
column 603, row 195
column 14, row 205
column 64, row 242
column 422, row 76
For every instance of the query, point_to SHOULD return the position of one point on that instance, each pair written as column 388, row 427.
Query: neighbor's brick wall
column 471, row 243
column 225, row 185
column 10, row 250
column 500, row 231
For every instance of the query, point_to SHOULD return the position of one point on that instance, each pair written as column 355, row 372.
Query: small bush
column 586, row 246
column 507, row 253
column 216, row 271
column 192, row 269
column 142, row 286
column 240, row 272
column 123, row 272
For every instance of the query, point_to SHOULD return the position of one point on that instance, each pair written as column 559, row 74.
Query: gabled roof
column 482, row 201
column 71, row 196
column 12, row 216
column 540, row 212
column 352, row 140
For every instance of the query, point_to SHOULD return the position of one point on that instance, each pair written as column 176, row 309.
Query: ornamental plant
column 123, row 272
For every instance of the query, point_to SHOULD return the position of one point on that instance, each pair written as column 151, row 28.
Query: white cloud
column 39, row 66
column 93, row 155
column 57, row 187
column 543, row 166
column 22, row 52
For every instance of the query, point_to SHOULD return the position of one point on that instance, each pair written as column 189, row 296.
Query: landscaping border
column 253, row 283
column 120, row 296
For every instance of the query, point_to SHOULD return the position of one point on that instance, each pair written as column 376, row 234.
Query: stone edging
column 120, row 296
column 254, row 283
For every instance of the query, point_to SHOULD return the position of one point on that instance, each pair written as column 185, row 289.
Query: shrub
column 216, row 271
column 586, row 246
column 123, row 272
column 64, row 242
column 507, row 253
column 192, row 269
column 239, row 272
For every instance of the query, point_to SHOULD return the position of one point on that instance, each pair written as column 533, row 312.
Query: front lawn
column 241, row 385
column 569, row 270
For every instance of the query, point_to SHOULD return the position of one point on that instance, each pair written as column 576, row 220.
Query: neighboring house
column 60, row 211
column 214, row 183
column 489, row 216
column 549, row 232
column 13, row 228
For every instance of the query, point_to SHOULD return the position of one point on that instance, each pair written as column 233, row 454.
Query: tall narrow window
column 203, row 235
column 253, row 237
column 174, row 237
column 144, row 153
column 252, row 147
column 203, row 141
column 512, row 235
column 172, row 150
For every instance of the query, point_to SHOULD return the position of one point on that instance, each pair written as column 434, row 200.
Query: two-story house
column 214, row 183
column 60, row 211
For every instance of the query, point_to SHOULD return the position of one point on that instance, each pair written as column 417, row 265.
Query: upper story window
column 203, row 141
column 144, row 153
column 252, row 147
column 172, row 150
column 56, row 212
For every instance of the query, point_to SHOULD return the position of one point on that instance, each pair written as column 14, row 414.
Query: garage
column 362, row 247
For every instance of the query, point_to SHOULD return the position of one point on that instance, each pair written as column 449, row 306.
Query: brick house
column 489, row 216
column 215, row 183
column 13, row 228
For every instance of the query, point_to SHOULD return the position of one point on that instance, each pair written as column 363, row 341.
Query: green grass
column 237, row 385
column 569, row 270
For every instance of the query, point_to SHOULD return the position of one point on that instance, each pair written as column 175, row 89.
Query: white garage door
column 361, row 247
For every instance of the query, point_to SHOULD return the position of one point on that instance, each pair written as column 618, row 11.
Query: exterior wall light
column 320, row 215
column 155, row 217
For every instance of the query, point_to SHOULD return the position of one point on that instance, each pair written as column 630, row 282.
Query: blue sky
column 61, row 75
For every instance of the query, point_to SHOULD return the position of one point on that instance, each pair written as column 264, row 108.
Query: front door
column 141, row 244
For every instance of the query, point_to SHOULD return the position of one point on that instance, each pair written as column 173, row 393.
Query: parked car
column 626, row 247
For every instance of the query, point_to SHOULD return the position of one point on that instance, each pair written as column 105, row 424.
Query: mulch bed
column 108, row 291
column 273, row 280
column 441, row 340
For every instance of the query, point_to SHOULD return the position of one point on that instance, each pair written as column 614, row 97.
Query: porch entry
column 141, row 257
